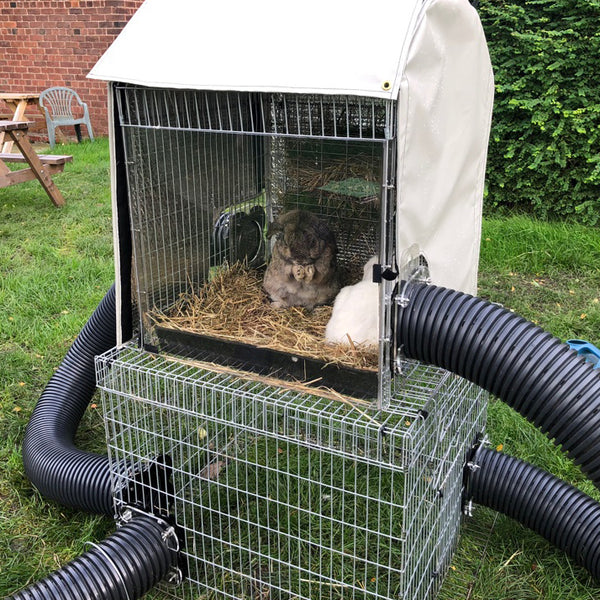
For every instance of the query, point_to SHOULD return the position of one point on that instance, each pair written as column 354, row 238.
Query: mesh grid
column 280, row 494
column 180, row 184
column 340, row 181
column 277, row 493
column 201, row 198
column 186, row 191
column 207, row 172
column 305, row 115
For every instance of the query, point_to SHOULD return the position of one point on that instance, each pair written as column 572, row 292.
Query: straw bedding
column 233, row 306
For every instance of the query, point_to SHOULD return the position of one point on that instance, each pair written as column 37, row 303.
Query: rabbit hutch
column 276, row 177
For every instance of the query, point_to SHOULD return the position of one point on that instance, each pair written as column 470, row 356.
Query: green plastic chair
column 60, row 105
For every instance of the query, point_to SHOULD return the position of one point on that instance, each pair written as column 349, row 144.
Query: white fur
column 355, row 313
column 368, row 268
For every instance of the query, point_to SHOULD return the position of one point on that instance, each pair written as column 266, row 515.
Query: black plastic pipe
column 124, row 566
column 55, row 466
column 559, row 512
column 518, row 362
column 501, row 352
column 139, row 555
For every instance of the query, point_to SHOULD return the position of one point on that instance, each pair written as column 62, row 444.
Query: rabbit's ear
column 324, row 233
column 316, row 248
column 273, row 228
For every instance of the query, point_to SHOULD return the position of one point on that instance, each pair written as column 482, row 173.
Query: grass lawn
column 56, row 265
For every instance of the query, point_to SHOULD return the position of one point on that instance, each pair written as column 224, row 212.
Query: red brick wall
column 44, row 43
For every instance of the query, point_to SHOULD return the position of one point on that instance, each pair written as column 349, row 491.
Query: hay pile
column 311, row 178
column 233, row 306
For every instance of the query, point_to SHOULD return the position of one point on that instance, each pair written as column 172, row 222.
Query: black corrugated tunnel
column 516, row 361
column 55, row 466
column 559, row 512
column 124, row 566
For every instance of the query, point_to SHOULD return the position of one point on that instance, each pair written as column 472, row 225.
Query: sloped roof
column 313, row 46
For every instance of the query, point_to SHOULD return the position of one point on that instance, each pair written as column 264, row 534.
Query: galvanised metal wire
column 282, row 494
column 207, row 171
column 182, row 186
column 277, row 493
column 294, row 115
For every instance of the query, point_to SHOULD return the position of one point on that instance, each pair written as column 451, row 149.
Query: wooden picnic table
column 18, row 103
column 41, row 166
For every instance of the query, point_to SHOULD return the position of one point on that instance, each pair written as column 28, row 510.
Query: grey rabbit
column 303, row 267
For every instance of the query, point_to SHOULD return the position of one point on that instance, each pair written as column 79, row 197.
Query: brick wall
column 44, row 43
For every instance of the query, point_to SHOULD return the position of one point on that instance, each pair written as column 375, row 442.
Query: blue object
column 587, row 350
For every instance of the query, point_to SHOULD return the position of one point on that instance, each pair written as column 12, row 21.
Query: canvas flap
column 444, row 113
column 265, row 46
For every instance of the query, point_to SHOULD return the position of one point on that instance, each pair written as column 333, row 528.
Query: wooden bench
column 41, row 166
column 46, row 159
column 18, row 104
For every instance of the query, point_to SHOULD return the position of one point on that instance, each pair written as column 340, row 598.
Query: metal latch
column 381, row 272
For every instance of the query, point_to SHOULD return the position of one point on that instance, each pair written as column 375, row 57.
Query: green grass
column 56, row 265
column 547, row 272
column 550, row 274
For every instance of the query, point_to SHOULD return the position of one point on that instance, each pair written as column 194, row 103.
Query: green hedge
column 544, row 154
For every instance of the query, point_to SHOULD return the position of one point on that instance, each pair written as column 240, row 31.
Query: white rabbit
column 355, row 314
column 368, row 268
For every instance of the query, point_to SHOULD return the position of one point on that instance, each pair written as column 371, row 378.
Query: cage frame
column 211, row 426
column 273, row 118
column 432, row 64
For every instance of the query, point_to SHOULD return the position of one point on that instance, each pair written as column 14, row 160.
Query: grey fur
column 303, row 266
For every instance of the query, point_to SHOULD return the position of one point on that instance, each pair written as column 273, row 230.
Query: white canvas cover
column 430, row 55
column 444, row 112
column 320, row 46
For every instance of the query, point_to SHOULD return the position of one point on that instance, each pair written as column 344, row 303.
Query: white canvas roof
column 429, row 55
column 321, row 46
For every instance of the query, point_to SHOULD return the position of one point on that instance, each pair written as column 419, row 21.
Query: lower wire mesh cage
column 283, row 494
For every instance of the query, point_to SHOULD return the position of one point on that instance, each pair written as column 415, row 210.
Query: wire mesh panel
column 303, row 115
column 197, row 159
column 282, row 494
column 209, row 172
column 180, row 185
column 339, row 180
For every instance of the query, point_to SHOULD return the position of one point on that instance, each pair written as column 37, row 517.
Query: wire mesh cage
column 294, row 467
column 282, row 494
column 208, row 172
column 283, row 476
